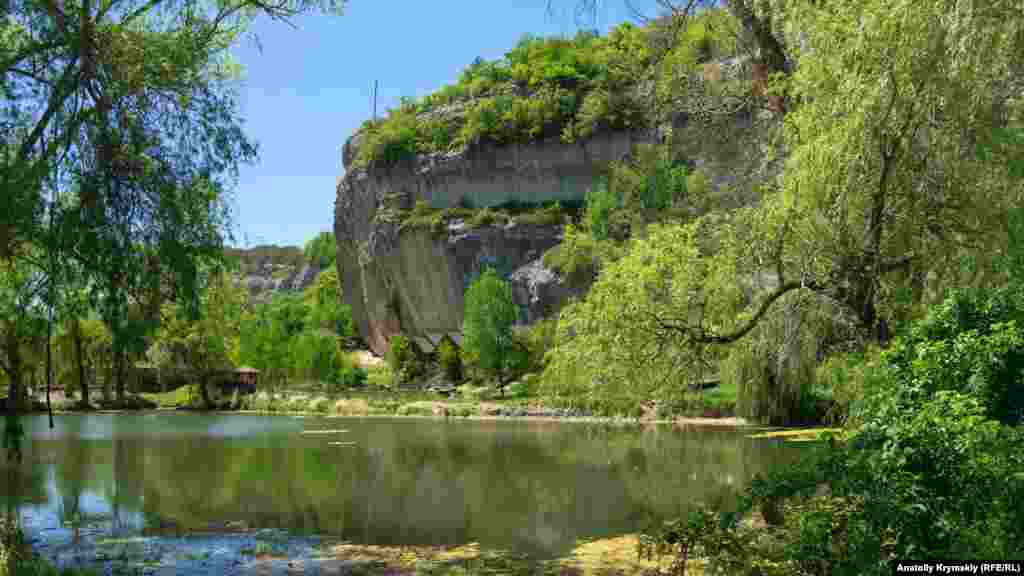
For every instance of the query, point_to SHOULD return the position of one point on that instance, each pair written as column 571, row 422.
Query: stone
column 414, row 280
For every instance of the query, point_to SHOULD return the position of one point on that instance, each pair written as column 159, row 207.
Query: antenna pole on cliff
column 375, row 100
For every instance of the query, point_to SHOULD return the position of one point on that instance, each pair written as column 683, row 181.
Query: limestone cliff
column 414, row 280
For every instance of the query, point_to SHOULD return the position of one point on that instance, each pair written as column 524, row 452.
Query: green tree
column 22, row 321
column 326, row 309
column 130, row 108
column 208, row 342
column 490, row 313
column 886, row 181
column 321, row 251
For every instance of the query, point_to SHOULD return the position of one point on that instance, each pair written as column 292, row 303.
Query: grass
column 174, row 398
column 796, row 435
column 437, row 220
column 718, row 402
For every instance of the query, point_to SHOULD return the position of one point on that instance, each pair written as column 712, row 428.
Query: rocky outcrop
column 540, row 291
column 413, row 280
column 273, row 279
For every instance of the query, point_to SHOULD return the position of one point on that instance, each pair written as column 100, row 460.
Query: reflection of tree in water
column 534, row 487
column 69, row 475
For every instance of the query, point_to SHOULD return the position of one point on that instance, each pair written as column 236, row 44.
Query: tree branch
column 761, row 311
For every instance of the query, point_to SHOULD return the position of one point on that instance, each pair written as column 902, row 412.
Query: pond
column 533, row 487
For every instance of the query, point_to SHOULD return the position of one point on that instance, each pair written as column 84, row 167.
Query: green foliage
column 973, row 343
column 543, row 86
column 354, row 377
column 600, row 203
column 483, row 218
column 450, row 360
column 613, row 347
column 423, row 217
column 209, row 341
column 579, row 255
column 317, row 355
column 490, row 313
column 652, row 181
column 929, row 466
column 321, row 250
column 775, row 365
column 533, row 343
column 698, row 190
column 401, row 357
column 843, row 378
column 323, row 300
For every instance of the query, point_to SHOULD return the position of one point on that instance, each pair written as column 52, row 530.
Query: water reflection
column 534, row 487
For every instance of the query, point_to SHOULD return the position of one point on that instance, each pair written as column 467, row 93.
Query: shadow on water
column 530, row 487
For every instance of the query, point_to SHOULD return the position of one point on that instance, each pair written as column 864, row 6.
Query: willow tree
column 904, row 156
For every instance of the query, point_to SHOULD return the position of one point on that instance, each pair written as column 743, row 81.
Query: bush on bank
column 931, row 465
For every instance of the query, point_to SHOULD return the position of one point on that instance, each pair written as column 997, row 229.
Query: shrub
column 841, row 380
column 399, row 352
column 600, row 204
column 535, row 341
column 972, row 343
column 403, row 360
column 484, row 217
column 518, row 389
column 354, row 377
column 698, row 190
column 576, row 257
column 450, row 361
column 920, row 483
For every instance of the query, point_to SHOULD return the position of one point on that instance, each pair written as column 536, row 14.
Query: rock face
column 413, row 280
column 270, row 279
column 540, row 292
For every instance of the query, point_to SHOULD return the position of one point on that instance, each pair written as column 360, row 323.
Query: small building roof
column 246, row 370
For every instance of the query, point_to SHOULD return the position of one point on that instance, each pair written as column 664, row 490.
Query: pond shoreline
column 682, row 421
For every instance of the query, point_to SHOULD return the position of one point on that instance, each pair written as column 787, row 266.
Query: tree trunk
column 204, row 391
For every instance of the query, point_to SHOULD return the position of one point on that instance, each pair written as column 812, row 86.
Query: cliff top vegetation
column 543, row 87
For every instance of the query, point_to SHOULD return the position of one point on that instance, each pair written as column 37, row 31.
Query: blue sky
column 312, row 86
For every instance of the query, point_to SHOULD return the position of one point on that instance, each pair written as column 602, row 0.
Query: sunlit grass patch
column 616, row 555
column 795, row 435
column 379, row 376
column 181, row 396
column 352, row 407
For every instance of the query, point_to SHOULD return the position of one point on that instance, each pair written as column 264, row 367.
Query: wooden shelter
column 242, row 379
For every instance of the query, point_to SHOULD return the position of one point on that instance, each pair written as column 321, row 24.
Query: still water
column 529, row 486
